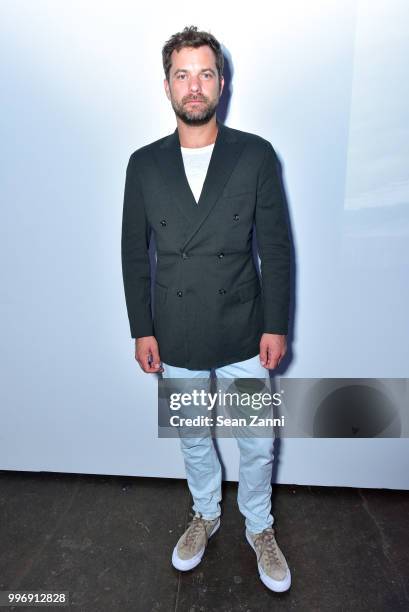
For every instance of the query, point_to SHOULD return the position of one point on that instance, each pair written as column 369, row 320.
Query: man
column 201, row 191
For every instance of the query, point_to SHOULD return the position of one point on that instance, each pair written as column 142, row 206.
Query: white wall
column 82, row 87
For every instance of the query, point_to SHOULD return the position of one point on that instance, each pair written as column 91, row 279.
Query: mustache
column 195, row 100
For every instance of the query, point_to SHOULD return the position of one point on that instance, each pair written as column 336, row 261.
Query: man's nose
column 194, row 83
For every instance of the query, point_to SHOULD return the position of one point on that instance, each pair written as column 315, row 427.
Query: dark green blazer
column 209, row 308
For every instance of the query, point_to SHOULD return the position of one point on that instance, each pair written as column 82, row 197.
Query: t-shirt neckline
column 197, row 149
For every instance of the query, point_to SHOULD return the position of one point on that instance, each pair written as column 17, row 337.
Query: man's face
column 194, row 88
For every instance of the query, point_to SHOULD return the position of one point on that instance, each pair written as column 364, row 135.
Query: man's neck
column 194, row 136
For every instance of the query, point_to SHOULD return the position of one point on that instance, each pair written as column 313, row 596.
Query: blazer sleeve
column 273, row 245
column 135, row 255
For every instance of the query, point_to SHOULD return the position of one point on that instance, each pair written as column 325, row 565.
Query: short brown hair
column 191, row 37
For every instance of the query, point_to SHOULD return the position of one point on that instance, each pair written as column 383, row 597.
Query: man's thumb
column 263, row 354
column 155, row 355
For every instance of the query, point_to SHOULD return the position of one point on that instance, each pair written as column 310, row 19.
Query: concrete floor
column 108, row 541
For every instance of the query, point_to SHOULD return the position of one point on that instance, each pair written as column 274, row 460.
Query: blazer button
column 222, row 291
column 184, row 255
column 236, row 217
column 179, row 293
column 220, row 255
column 163, row 222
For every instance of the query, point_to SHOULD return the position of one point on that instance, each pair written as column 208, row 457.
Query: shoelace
column 197, row 525
column 268, row 545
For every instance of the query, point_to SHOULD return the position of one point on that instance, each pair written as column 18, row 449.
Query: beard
column 192, row 114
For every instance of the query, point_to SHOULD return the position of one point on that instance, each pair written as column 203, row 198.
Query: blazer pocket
column 249, row 291
column 240, row 194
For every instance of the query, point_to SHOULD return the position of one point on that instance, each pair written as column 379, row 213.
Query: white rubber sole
column 274, row 585
column 184, row 565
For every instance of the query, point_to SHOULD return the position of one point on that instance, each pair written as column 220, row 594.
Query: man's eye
column 180, row 76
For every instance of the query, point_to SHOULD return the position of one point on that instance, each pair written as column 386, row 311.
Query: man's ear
column 166, row 85
column 221, row 85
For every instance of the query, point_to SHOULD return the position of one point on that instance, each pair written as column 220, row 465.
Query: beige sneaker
column 190, row 548
column 272, row 566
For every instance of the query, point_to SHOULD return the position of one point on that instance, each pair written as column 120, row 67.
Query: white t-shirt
column 196, row 162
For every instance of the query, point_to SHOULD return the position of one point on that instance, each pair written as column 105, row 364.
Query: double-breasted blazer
column 209, row 308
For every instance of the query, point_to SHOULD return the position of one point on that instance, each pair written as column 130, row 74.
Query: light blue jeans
column 203, row 469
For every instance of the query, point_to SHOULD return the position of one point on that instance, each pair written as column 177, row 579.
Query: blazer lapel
column 169, row 159
column 225, row 154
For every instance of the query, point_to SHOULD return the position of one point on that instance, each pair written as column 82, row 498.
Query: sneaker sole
column 184, row 565
column 274, row 585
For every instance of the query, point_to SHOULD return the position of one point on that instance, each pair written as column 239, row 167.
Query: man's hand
column 273, row 347
column 147, row 354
